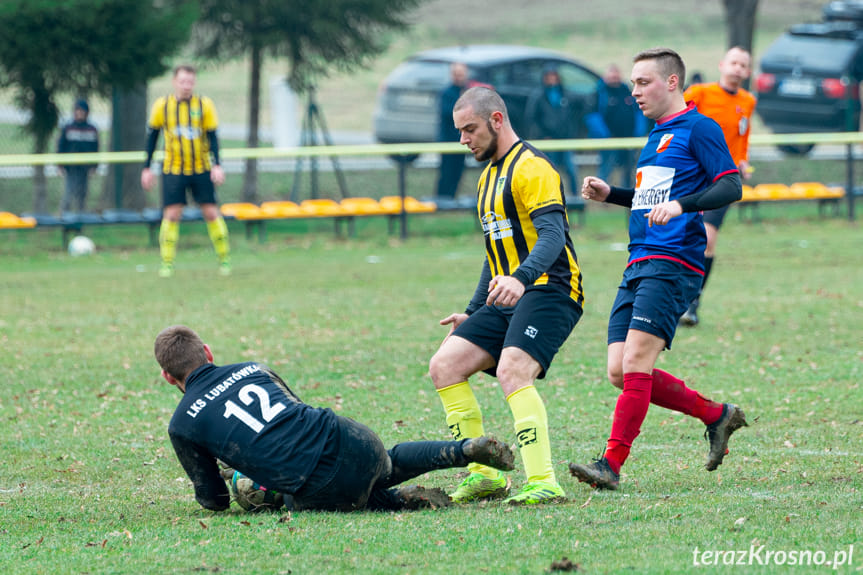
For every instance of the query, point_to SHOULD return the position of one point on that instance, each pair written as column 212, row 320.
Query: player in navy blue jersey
column 246, row 416
column 684, row 168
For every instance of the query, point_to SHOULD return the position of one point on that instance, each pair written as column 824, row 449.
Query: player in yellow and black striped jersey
column 511, row 193
column 191, row 163
column 528, row 299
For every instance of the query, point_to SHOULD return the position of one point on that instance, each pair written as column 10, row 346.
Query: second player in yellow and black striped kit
column 528, row 299
column 191, row 162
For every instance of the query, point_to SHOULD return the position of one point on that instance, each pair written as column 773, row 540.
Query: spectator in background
column 731, row 106
column 552, row 114
column 77, row 137
column 695, row 78
column 617, row 116
column 451, row 165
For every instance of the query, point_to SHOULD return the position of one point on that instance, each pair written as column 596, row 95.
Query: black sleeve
column 722, row 192
column 214, row 145
column 210, row 489
column 550, row 240
column 152, row 137
column 620, row 196
column 481, row 292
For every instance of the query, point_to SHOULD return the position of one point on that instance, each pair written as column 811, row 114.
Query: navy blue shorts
column 174, row 188
column 651, row 298
column 538, row 324
column 715, row 217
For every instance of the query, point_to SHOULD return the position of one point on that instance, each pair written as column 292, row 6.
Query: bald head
column 458, row 73
column 734, row 68
column 613, row 76
column 483, row 101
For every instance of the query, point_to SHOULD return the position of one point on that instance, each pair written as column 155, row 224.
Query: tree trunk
column 43, row 121
column 740, row 19
column 40, row 185
column 740, row 22
column 250, row 181
column 122, row 187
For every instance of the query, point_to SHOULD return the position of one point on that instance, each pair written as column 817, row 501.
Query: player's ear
column 496, row 119
column 208, row 352
column 169, row 378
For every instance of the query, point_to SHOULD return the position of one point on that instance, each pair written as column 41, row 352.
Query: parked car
column 844, row 10
column 809, row 79
column 408, row 99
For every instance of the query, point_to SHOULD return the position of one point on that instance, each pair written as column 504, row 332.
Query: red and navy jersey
column 685, row 153
column 245, row 415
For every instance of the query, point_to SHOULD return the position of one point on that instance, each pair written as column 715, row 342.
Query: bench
column 754, row 196
column 343, row 213
column 74, row 223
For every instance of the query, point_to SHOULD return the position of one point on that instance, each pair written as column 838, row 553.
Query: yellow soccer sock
column 169, row 233
column 218, row 231
column 464, row 418
column 531, row 429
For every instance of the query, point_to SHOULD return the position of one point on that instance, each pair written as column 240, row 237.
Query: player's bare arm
column 504, row 291
column 595, row 189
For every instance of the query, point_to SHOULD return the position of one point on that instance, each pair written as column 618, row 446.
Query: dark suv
column 809, row 80
column 407, row 103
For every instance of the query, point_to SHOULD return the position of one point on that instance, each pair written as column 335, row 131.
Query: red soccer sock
column 629, row 413
column 671, row 393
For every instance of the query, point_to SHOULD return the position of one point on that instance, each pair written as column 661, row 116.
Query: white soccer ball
column 81, row 246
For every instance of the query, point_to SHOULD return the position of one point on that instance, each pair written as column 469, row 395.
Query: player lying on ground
column 245, row 415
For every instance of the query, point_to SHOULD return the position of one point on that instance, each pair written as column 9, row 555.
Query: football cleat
column 477, row 486
column 690, row 316
column 166, row 270
column 489, row 451
column 598, row 474
column 536, row 492
column 718, row 432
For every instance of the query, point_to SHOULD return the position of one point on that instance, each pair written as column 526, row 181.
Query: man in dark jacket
column 552, row 114
column 451, row 165
column 77, row 137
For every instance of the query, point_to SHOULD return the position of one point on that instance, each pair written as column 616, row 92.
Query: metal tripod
column 313, row 122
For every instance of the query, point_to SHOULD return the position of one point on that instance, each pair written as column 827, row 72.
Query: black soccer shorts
column 538, row 324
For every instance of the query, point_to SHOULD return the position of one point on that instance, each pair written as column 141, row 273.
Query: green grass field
column 89, row 482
